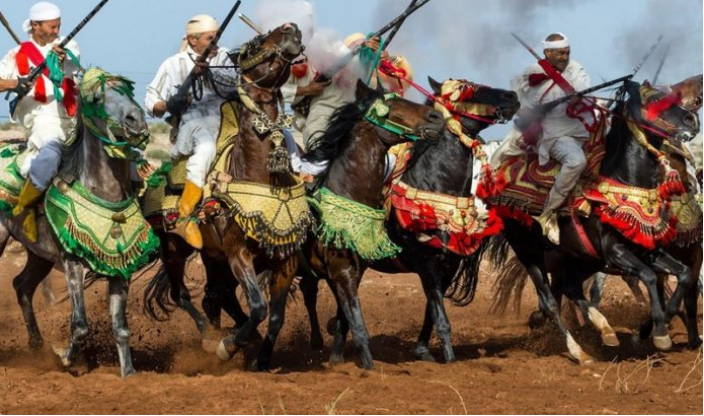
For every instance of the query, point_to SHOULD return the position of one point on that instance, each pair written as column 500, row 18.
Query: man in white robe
column 200, row 123
column 562, row 134
column 46, row 116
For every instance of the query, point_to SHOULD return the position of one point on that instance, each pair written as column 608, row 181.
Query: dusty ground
column 502, row 367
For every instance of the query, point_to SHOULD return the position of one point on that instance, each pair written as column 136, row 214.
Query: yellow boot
column 29, row 195
column 551, row 229
column 187, row 229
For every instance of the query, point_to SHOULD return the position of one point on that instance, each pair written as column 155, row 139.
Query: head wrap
column 41, row 12
column 557, row 44
column 198, row 24
column 394, row 84
column 354, row 40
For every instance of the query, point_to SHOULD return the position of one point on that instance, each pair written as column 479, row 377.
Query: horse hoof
column 663, row 343
column 209, row 345
column 36, row 344
column 62, row 353
column 259, row 368
column 336, row 359
column 610, row 340
column 585, row 359
column 226, row 350
column 536, row 320
column 317, row 344
column 128, row 372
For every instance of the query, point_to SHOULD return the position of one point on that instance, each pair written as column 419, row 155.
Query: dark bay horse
column 243, row 239
column 445, row 169
column 93, row 165
column 644, row 119
column 356, row 145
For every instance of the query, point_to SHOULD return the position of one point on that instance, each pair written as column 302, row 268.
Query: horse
column 94, row 182
column 641, row 124
column 245, row 233
column 351, row 231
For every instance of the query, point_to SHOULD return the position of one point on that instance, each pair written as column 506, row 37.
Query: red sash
column 29, row 53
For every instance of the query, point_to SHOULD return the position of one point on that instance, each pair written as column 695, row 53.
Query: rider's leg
column 568, row 152
column 197, row 167
column 42, row 170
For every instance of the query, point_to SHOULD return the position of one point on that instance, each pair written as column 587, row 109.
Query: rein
column 378, row 115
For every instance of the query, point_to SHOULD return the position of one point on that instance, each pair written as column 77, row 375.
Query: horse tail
column 158, row 304
column 512, row 276
column 464, row 283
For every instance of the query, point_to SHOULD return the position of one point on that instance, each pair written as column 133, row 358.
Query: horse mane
column 72, row 154
column 615, row 145
column 337, row 136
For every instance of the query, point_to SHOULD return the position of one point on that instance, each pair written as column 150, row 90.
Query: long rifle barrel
column 527, row 46
column 554, row 103
column 398, row 26
column 9, row 28
column 250, row 23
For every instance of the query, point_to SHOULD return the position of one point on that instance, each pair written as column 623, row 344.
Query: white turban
column 40, row 12
column 200, row 24
column 557, row 44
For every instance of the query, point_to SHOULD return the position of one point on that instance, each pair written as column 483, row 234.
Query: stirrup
column 189, row 231
column 549, row 225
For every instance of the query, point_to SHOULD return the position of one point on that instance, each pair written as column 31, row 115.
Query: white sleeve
column 8, row 65
column 160, row 89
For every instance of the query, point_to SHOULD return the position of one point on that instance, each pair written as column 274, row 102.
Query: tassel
column 671, row 186
column 486, row 187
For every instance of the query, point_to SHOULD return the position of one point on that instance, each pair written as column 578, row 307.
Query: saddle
column 12, row 156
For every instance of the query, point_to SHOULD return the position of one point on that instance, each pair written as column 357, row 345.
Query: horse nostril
column 690, row 120
column 434, row 116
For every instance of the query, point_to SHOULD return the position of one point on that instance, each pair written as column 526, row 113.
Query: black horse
column 444, row 168
column 630, row 162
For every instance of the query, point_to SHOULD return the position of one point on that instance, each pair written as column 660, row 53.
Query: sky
column 468, row 39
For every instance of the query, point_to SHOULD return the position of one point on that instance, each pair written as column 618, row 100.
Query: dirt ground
column 502, row 366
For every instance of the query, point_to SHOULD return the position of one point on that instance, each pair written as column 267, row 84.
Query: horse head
column 265, row 61
column 690, row 91
column 400, row 116
column 477, row 106
column 659, row 114
column 109, row 110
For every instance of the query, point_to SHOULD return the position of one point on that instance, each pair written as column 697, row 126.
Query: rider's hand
column 200, row 67
column 23, row 86
column 177, row 104
column 59, row 52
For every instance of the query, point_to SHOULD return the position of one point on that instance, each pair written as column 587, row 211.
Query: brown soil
column 502, row 367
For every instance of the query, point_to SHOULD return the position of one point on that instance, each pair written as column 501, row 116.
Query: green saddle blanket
column 12, row 156
column 112, row 237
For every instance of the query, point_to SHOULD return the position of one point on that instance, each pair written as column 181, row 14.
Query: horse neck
column 105, row 177
column 248, row 158
column 358, row 172
column 627, row 161
column 444, row 168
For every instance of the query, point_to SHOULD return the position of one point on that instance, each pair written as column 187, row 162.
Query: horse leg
column 436, row 296
column 278, row 292
column 4, row 236
column 35, row 271
column 309, row 288
column 421, row 350
column 552, row 310
column 691, row 299
column 339, row 329
column 242, row 267
column 621, row 257
column 574, row 291
column 665, row 263
column 79, row 322
column 175, row 266
column 346, row 275
column 118, row 289
column 597, row 290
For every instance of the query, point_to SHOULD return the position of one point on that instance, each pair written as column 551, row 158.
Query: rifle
column 37, row 71
column 397, row 27
column 303, row 106
column 529, row 123
column 179, row 102
column 9, row 28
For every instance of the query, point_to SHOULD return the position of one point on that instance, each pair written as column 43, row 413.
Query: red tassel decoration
column 671, row 186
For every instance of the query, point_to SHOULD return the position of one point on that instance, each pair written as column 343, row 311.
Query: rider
column 563, row 134
column 329, row 95
column 48, row 108
column 199, row 124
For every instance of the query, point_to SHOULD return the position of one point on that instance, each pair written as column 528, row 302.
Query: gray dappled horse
column 118, row 126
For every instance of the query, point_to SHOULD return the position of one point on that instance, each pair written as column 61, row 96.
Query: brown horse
column 356, row 148
column 239, row 240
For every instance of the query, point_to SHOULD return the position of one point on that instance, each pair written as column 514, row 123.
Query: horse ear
column 436, row 86
column 362, row 91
